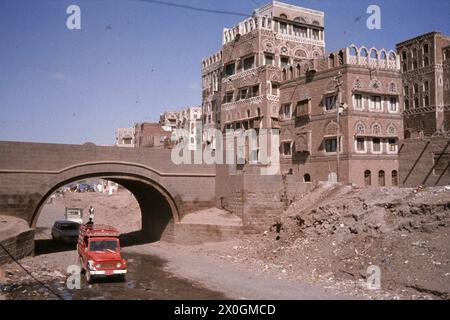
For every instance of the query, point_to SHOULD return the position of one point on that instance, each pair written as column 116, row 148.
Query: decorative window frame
column 356, row 127
column 354, row 101
column 372, row 128
column 372, row 106
column 388, row 146
column 397, row 104
column 356, row 145
column 372, row 144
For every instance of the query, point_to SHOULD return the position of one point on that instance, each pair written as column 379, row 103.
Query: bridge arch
column 158, row 205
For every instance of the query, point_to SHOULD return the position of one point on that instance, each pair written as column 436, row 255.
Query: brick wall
column 425, row 161
column 16, row 237
column 256, row 198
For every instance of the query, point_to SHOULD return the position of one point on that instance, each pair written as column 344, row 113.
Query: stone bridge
column 31, row 172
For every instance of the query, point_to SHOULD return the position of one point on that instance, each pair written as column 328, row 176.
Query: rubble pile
column 337, row 231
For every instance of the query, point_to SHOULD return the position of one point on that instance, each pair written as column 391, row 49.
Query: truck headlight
column 98, row 265
column 118, row 265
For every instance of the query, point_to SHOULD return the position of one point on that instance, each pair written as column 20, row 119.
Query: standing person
column 91, row 215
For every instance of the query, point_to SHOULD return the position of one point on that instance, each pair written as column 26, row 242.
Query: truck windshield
column 103, row 245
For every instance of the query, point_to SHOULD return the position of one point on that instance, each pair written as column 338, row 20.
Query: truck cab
column 99, row 252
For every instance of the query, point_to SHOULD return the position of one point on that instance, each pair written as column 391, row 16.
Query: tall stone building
column 360, row 143
column 276, row 75
column 190, row 120
column 246, row 95
column 253, row 54
column 211, row 96
column 426, row 87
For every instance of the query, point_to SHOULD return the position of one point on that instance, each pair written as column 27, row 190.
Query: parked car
column 65, row 230
column 74, row 214
column 99, row 252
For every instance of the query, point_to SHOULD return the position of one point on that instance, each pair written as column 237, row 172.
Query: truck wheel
column 121, row 277
column 89, row 277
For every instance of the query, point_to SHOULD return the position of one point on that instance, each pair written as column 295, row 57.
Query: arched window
column 392, row 87
column 341, row 58
column 300, row 19
column 283, row 16
column 306, row 177
column 381, row 179
column 298, row 68
column 248, row 113
column 284, row 74
column 392, row 130
column 376, row 129
column 367, row 178
column 360, row 128
column 394, row 176
column 373, row 54
column 353, row 52
column 363, row 52
column 259, row 112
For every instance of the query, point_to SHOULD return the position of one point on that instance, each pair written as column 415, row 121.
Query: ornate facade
column 365, row 86
column 426, row 87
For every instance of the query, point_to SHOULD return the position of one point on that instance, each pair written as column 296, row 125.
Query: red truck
column 99, row 252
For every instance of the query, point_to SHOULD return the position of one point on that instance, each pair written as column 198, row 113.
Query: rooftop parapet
column 212, row 59
column 372, row 58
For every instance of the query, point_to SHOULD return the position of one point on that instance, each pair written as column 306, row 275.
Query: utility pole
column 338, row 84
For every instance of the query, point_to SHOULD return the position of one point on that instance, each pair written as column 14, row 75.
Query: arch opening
column 158, row 210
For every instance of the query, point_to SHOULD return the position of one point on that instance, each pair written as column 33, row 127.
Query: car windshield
column 103, row 245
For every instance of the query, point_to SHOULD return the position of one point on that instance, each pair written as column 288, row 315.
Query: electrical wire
column 30, row 274
column 178, row 5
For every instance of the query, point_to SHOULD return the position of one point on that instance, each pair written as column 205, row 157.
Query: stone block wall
column 425, row 161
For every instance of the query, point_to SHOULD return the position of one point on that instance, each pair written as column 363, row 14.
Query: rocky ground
column 336, row 232
column 320, row 247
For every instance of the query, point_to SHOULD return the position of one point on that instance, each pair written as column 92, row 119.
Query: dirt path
column 236, row 281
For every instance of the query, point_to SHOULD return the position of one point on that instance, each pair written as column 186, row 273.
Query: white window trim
column 388, row 147
column 396, row 105
column 372, row 105
column 282, row 148
column 286, row 57
column 381, row 146
column 356, row 146
column 354, row 101
column 273, row 59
